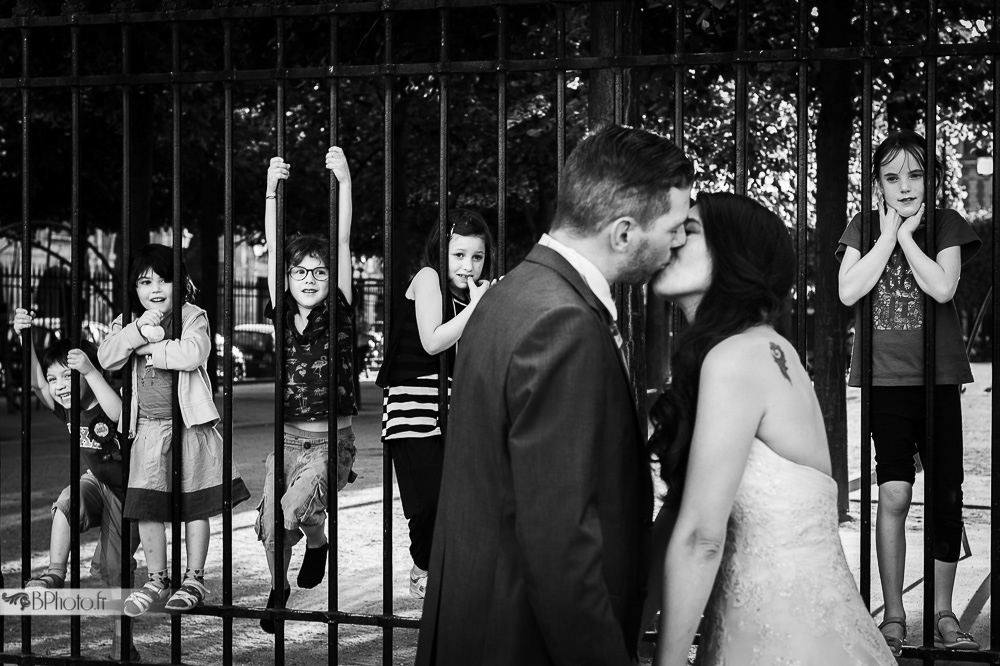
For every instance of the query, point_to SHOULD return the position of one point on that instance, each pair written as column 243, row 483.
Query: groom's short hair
column 619, row 172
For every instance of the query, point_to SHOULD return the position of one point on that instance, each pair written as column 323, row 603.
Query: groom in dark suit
column 546, row 497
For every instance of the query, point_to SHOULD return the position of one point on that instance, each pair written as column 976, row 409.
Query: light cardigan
column 188, row 355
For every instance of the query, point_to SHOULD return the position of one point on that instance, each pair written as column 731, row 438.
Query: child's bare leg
column 315, row 534
column 890, row 545
column 196, row 535
column 282, row 580
column 59, row 538
column 154, row 544
column 192, row 591
column 944, row 587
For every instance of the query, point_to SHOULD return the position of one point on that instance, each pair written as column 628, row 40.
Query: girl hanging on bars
column 899, row 273
column 161, row 357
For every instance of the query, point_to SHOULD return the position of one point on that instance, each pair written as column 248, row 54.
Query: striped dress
column 410, row 382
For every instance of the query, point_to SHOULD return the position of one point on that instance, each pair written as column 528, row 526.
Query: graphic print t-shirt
column 98, row 445
column 898, row 315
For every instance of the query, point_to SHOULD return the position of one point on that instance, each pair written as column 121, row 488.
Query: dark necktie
column 619, row 342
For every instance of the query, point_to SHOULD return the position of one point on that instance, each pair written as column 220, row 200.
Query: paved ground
column 361, row 536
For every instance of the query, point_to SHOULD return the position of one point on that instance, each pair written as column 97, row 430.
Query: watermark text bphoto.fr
column 66, row 601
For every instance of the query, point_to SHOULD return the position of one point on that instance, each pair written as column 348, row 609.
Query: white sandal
column 190, row 594
column 143, row 599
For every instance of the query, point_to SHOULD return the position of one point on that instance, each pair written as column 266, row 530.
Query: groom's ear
column 621, row 232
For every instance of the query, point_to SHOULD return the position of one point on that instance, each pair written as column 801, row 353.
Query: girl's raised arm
column 22, row 322
column 336, row 161
column 276, row 171
column 107, row 397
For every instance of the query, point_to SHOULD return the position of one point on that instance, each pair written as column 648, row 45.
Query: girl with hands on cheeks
column 899, row 272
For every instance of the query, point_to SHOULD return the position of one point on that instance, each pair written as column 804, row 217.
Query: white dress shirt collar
column 588, row 271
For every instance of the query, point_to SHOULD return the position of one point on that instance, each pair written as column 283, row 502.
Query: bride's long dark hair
column 753, row 269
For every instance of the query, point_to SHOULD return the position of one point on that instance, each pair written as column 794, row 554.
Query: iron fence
column 613, row 65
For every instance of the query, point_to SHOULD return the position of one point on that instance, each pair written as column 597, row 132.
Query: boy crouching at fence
column 308, row 350
column 101, row 491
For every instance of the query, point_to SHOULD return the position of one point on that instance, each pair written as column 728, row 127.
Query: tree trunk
column 833, row 141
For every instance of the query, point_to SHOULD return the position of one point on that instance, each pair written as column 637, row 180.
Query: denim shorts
column 303, row 502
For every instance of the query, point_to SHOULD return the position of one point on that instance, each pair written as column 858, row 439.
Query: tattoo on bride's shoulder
column 778, row 354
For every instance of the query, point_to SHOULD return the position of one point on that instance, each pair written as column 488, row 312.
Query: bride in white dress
column 743, row 449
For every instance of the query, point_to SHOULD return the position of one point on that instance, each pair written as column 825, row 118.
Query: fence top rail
column 797, row 56
column 234, row 13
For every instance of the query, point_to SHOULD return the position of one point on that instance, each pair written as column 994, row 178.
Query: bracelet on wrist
column 270, row 196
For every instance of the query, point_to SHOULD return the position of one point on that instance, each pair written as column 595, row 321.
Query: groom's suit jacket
column 546, row 496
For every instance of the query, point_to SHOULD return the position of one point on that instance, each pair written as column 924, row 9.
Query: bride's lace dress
column 784, row 593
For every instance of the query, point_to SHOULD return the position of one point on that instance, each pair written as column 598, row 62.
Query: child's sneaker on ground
column 145, row 597
column 418, row 582
column 46, row 580
column 189, row 595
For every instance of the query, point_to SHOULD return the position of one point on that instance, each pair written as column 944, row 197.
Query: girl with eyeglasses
column 309, row 348
column 409, row 376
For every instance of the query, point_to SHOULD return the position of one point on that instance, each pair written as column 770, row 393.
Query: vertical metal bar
column 333, row 500
column 801, row 190
column 501, row 249
column 864, row 327
column 126, row 258
column 560, row 100
column 178, row 300
column 279, row 330
column 75, row 317
column 26, row 334
column 444, row 80
column 674, row 312
column 227, row 342
column 995, row 344
column 678, row 72
column 619, row 74
column 741, row 110
column 389, row 86
column 929, row 333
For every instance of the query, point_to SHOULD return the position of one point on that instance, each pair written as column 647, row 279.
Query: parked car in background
column 239, row 362
column 256, row 343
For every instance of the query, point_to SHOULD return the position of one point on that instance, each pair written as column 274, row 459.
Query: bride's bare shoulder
column 757, row 354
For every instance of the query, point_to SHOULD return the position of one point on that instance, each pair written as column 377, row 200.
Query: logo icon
column 19, row 598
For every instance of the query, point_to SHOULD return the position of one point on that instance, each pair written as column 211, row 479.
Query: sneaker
column 418, row 582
